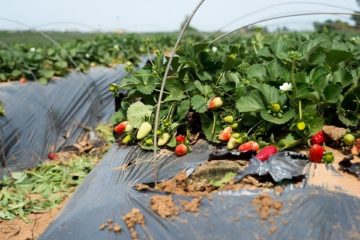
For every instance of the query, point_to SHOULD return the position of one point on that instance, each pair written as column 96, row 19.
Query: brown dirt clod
column 192, row 206
column 131, row 219
column 102, row 226
column 164, row 206
column 266, row 206
column 117, row 228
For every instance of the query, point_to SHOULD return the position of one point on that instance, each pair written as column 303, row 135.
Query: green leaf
column 287, row 116
column 183, row 109
column 2, row 109
column 332, row 93
column 250, row 103
column 137, row 113
column 348, row 109
column 172, row 142
column 2, row 77
column 275, row 70
column 47, row 73
column 211, row 126
column 334, row 57
column 318, row 77
column 147, row 86
column 233, row 77
column 61, row 64
column 343, row 77
column 279, row 47
column 313, row 118
column 257, row 71
column 118, row 117
column 205, row 90
column 288, row 142
column 225, row 179
column 199, row 103
column 307, row 94
column 16, row 73
column 271, row 94
column 175, row 95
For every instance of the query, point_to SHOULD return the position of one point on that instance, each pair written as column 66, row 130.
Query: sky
column 161, row 15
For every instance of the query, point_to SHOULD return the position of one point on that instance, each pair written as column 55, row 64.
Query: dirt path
column 17, row 229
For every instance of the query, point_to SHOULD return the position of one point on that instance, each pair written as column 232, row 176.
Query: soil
column 111, row 226
column 131, row 219
column 192, row 206
column 266, row 206
column 201, row 182
column 164, row 206
column 17, row 229
column 331, row 178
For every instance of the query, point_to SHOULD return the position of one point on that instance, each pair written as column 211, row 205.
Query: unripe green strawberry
column 349, row 139
column 164, row 138
column 229, row 119
column 300, row 126
column 328, row 158
column 127, row 139
column 275, row 107
column 240, row 140
column 149, row 141
column 215, row 103
column 128, row 127
column 231, row 144
column 234, row 125
column 235, row 135
column 144, row 129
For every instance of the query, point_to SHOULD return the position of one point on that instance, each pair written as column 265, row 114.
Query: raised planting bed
column 189, row 202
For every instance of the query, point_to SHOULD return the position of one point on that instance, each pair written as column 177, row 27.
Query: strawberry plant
column 280, row 91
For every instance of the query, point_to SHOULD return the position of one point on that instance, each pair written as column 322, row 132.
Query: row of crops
column 36, row 62
column 277, row 89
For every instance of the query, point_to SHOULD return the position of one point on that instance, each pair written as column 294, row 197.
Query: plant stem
column 164, row 82
column 293, row 74
column 213, row 127
column 300, row 109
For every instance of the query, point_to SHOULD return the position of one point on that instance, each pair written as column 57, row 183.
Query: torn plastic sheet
column 107, row 192
column 280, row 166
column 348, row 166
column 43, row 118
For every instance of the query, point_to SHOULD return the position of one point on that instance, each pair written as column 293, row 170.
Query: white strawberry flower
column 286, row 87
column 32, row 49
column 214, row 49
column 87, row 55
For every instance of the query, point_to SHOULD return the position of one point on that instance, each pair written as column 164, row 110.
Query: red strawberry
column 249, row 146
column 180, row 138
column 181, row 149
column 316, row 153
column 266, row 152
column 215, row 103
column 225, row 134
column 318, row 138
column 52, row 156
column 121, row 127
column 22, row 80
